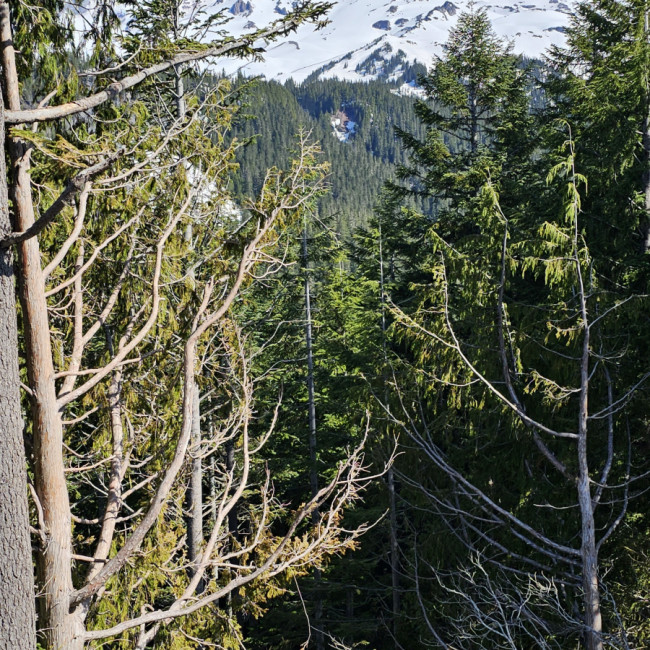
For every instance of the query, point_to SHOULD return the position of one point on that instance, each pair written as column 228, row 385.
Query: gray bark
column 195, row 497
column 17, row 630
column 593, row 616
column 195, row 492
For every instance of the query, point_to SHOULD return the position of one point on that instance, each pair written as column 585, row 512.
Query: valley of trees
column 262, row 387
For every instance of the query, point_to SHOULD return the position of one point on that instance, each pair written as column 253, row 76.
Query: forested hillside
column 361, row 159
column 323, row 365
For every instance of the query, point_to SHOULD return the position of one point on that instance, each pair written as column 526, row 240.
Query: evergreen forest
column 322, row 365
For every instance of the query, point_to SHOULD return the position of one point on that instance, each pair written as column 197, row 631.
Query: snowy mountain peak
column 362, row 30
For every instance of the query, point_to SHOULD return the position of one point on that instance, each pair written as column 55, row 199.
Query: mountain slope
column 359, row 30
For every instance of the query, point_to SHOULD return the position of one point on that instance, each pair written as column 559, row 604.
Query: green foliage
column 491, row 276
column 358, row 167
column 496, row 220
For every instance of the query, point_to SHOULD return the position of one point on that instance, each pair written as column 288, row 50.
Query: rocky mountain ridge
column 365, row 32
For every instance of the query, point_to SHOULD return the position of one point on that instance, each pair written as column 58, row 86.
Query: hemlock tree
column 601, row 84
column 477, row 107
column 546, row 375
column 524, row 382
column 109, row 321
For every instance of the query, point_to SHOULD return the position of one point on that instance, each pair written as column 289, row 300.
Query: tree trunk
column 17, row 630
column 195, row 497
column 60, row 628
column 313, row 470
column 593, row 617
column 473, row 111
column 313, row 473
column 195, row 493
column 394, row 551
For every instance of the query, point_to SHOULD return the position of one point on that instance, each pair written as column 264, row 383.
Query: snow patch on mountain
column 343, row 127
column 363, row 36
column 360, row 28
column 410, row 89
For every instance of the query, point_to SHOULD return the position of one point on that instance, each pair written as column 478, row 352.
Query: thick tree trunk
column 60, row 629
column 55, row 558
column 17, row 629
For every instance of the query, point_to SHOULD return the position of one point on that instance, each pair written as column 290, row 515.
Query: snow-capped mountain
column 362, row 34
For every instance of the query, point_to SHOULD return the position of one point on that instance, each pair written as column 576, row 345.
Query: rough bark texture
column 55, row 558
column 61, row 630
column 18, row 630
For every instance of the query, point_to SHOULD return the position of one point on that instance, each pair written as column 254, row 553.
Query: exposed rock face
column 343, row 126
column 241, row 8
column 382, row 24
column 416, row 26
column 448, row 8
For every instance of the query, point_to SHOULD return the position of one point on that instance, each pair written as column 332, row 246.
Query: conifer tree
column 601, row 85
column 494, row 397
column 113, row 308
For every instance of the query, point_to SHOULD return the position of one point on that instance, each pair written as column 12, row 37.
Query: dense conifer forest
column 323, row 365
